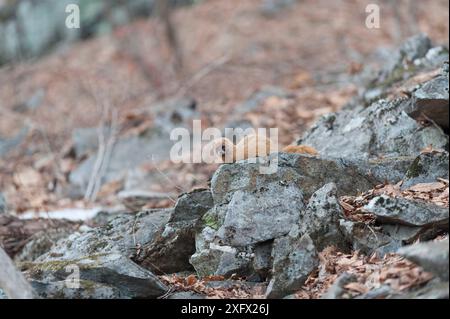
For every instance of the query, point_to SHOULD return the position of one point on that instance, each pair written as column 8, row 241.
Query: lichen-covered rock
column 409, row 234
column 381, row 130
column 386, row 170
column 309, row 173
column 416, row 54
column 262, row 261
column 192, row 206
column 430, row 101
column 173, row 245
column 321, row 217
column 366, row 239
column 92, row 277
column 294, row 258
column 40, row 243
column 213, row 258
column 100, row 259
column 431, row 256
column 263, row 214
column 426, row 168
column 408, row 212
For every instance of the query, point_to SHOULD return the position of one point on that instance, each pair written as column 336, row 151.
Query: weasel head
column 222, row 147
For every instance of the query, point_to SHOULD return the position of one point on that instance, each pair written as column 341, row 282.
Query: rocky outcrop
column 430, row 100
column 121, row 258
column 381, row 130
column 373, row 127
column 270, row 226
column 407, row 212
column 170, row 251
column 99, row 261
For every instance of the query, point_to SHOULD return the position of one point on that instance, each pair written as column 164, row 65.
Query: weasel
column 252, row 146
column 301, row 149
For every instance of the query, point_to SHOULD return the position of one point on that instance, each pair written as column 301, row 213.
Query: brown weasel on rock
column 252, row 146
column 300, row 149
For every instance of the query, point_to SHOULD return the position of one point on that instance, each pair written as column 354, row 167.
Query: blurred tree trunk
column 12, row 282
column 163, row 10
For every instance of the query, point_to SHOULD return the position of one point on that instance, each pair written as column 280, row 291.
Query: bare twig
column 105, row 148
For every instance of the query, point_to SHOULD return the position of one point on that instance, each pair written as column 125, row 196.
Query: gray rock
column 431, row 256
column 192, row 205
column 186, row 295
column 171, row 249
column 93, row 277
column 430, row 101
column 381, row 130
column 213, row 258
column 260, row 215
column 382, row 292
column 398, row 65
column 416, row 47
column 366, row 239
column 435, row 289
column 102, row 257
column 222, row 260
column 426, row 168
column 40, row 243
column 387, row 170
column 238, row 263
column 206, row 261
column 173, row 246
column 321, row 217
column 2, row 295
column 337, row 290
column 294, row 258
column 408, row 234
column 309, row 173
column 262, row 262
column 408, row 212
